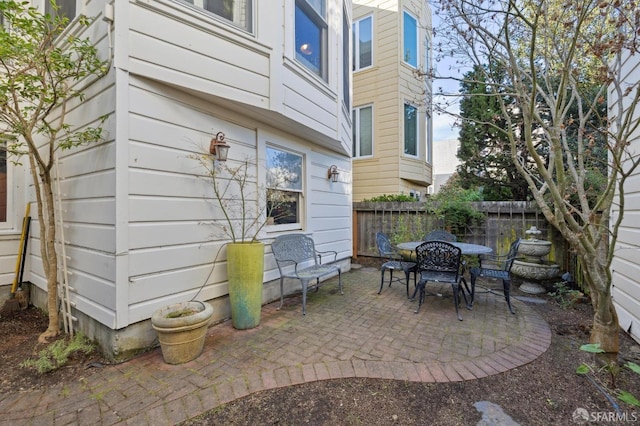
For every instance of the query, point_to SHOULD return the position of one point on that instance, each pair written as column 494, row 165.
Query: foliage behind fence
column 503, row 222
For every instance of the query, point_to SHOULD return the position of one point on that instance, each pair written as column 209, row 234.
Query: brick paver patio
column 360, row 334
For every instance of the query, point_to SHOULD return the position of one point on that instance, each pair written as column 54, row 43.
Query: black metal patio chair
column 440, row 262
column 394, row 262
column 497, row 267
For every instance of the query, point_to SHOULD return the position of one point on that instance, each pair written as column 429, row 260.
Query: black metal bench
column 297, row 258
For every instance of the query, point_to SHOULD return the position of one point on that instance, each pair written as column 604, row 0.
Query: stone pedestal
column 531, row 266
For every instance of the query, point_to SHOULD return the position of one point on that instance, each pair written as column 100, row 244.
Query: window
column 410, row 130
column 346, row 72
column 284, row 188
column 66, row 8
column 311, row 36
column 238, row 12
column 362, row 131
column 362, row 43
column 410, row 40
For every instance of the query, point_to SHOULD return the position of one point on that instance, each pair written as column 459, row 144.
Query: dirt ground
column 544, row 392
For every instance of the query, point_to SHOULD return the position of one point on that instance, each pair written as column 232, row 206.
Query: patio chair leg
column 473, row 289
column 305, row 284
column 506, row 286
column 340, row 281
column 456, row 299
column 281, row 294
column 381, row 280
column 462, row 289
column 420, row 288
column 407, row 274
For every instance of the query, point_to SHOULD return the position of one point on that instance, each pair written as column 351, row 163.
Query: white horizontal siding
column 165, row 45
column 625, row 266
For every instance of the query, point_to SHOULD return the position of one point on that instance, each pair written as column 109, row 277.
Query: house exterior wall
column 625, row 268
column 387, row 85
column 141, row 218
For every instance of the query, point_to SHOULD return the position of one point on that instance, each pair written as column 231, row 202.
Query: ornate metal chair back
column 293, row 248
column 438, row 256
column 384, row 246
column 512, row 255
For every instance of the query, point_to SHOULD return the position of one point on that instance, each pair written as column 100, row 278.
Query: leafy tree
column 560, row 61
column 484, row 144
column 42, row 74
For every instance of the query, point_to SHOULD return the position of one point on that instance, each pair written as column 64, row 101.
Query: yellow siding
column 387, row 85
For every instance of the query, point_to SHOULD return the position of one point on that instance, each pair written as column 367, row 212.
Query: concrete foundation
column 123, row 344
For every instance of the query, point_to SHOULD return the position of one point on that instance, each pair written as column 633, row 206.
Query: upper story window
column 66, row 8
column 362, row 43
column 362, row 129
column 284, row 188
column 311, row 35
column 346, row 72
column 410, row 40
column 238, row 12
column 410, row 130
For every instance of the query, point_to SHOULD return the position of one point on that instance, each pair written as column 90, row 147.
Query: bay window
column 311, row 35
column 362, row 43
column 362, row 129
column 410, row 130
column 410, row 40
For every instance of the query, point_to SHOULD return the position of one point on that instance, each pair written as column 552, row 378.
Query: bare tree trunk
column 47, row 245
column 605, row 328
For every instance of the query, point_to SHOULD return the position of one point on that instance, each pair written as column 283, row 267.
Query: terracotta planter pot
column 245, row 271
column 182, row 336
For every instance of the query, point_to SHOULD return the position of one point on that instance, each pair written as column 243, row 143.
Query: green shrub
column 453, row 206
column 56, row 354
column 390, row 197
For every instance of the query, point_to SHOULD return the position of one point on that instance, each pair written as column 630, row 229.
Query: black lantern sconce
column 218, row 148
column 333, row 173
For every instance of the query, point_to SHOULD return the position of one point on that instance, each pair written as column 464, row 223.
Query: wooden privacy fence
column 503, row 222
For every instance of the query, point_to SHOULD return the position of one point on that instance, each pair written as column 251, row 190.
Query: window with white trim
column 410, row 39
column 410, row 130
column 362, row 56
column 311, row 36
column 284, row 189
column 238, row 12
column 362, row 128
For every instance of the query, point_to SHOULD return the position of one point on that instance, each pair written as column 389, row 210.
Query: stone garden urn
column 531, row 266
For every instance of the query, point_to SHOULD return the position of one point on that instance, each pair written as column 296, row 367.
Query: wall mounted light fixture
column 333, row 173
column 218, row 148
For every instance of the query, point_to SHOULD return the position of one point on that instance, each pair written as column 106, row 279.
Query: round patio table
column 465, row 248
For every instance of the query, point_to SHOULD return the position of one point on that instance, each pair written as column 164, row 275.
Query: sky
column 443, row 129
